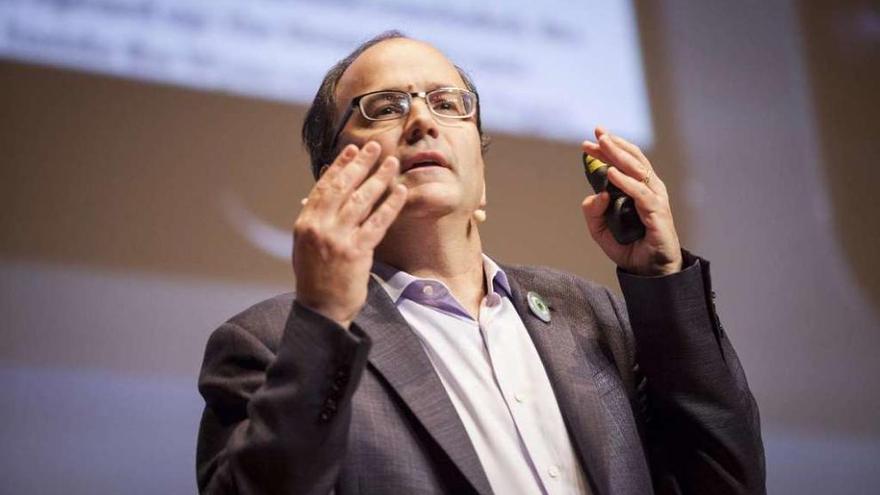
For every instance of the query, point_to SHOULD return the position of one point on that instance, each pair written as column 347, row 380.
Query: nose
column 420, row 122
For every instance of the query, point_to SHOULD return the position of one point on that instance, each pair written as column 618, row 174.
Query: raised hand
column 659, row 251
column 342, row 221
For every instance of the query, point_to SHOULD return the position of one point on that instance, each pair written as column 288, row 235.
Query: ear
column 483, row 197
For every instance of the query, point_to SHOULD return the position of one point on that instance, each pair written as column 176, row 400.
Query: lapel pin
column 538, row 307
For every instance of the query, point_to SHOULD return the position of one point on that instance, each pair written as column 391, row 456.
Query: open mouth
column 424, row 159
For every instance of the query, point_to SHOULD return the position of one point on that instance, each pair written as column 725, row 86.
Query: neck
column 447, row 249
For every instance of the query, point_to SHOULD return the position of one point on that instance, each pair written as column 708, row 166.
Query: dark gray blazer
column 297, row 405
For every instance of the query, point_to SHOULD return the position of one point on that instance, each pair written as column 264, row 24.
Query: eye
column 448, row 104
column 384, row 106
column 389, row 109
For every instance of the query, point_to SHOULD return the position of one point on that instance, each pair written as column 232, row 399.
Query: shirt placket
column 512, row 376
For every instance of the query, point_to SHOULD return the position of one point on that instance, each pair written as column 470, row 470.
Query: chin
column 430, row 202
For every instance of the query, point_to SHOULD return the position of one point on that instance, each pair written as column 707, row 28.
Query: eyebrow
column 411, row 88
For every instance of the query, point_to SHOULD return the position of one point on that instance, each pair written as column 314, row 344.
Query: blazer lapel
column 587, row 419
column 398, row 356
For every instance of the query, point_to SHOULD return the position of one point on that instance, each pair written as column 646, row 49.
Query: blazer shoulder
column 572, row 295
column 551, row 281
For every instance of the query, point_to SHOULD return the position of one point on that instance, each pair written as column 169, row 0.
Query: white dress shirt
column 495, row 379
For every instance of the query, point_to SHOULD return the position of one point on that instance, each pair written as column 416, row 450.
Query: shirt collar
column 396, row 281
column 496, row 275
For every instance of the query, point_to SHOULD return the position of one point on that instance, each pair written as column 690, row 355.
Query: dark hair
column 320, row 120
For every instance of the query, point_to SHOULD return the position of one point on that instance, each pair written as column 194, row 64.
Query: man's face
column 455, row 184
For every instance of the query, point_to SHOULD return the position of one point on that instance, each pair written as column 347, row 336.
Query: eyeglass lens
column 388, row 105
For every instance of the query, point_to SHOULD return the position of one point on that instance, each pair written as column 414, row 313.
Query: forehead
column 397, row 64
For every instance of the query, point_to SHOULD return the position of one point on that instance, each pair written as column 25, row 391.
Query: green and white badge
column 538, row 307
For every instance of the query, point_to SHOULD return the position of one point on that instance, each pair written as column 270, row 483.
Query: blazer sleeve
column 702, row 427
column 277, row 410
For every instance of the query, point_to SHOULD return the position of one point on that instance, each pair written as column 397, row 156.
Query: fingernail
column 372, row 148
column 349, row 151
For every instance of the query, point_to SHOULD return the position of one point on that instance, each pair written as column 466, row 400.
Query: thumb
column 594, row 207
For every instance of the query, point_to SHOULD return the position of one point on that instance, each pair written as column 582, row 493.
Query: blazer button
column 330, row 405
column 325, row 416
column 338, row 382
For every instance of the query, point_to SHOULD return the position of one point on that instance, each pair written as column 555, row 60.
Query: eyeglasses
column 451, row 103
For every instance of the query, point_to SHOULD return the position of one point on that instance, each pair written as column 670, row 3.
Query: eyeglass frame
column 355, row 102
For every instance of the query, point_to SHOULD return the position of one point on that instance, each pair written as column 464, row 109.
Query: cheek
column 476, row 143
column 386, row 137
column 466, row 144
column 475, row 154
column 477, row 179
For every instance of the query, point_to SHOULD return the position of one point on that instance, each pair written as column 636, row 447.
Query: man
column 410, row 362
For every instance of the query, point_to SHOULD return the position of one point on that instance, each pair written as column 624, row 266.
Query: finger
column 594, row 150
column 646, row 171
column 364, row 199
column 622, row 159
column 646, row 200
column 630, row 165
column 633, row 150
column 373, row 229
column 650, row 178
column 593, row 208
column 342, row 159
column 328, row 174
column 346, row 174
column 599, row 132
column 626, row 145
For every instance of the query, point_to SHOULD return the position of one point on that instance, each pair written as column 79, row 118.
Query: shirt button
column 553, row 471
column 520, row 397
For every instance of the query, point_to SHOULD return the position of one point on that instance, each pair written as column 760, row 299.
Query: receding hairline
column 398, row 40
column 321, row 120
